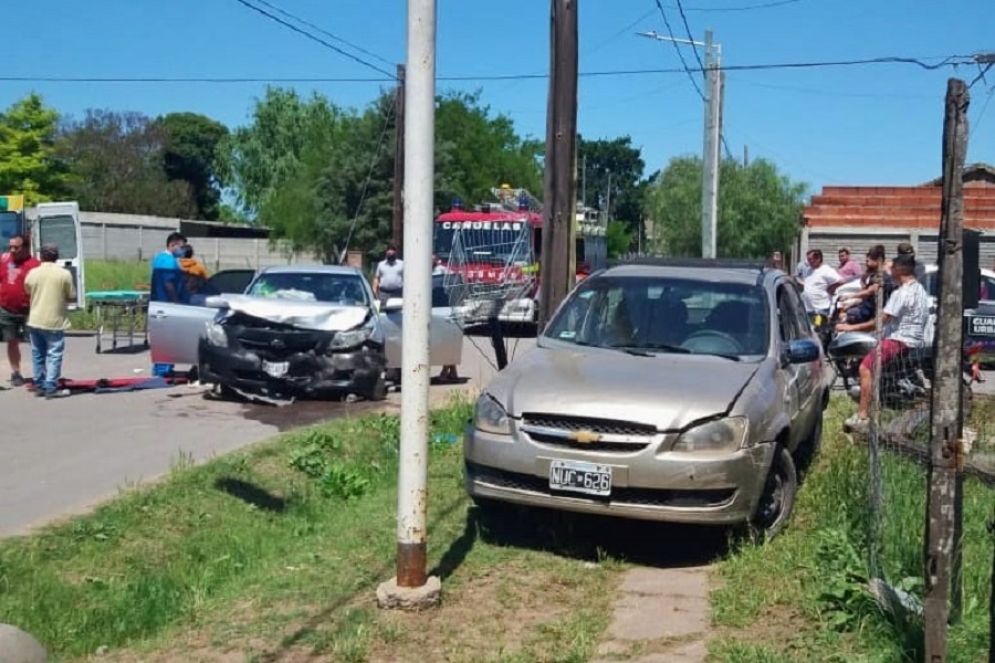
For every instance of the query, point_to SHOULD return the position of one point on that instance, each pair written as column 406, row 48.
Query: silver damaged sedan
column 685, row 391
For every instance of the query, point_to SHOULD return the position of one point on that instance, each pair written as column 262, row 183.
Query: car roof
column 717, row 273
column 311, row 269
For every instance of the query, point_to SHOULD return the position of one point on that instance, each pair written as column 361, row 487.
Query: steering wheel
column 712, row 341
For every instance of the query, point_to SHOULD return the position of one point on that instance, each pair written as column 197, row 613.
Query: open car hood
column 316, row 316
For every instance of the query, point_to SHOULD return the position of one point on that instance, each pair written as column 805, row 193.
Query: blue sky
column 874, row 124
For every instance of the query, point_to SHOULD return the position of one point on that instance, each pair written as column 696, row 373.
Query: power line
column 954, row 60
column 765, row 5
column 328, row 34
column 312, row 37
column 597, row 47
column 677, row 48
column 687, row 29
column 373, row 164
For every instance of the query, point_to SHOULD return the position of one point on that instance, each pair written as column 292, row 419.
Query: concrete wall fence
column 133, row 237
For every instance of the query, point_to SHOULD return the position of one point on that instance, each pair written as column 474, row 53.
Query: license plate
column 982, row 326
column 276, row 369
column 578, row 477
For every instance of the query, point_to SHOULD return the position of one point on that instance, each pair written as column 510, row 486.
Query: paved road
column 60, row 457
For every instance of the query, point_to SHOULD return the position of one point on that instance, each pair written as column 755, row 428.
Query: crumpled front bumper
column 357, row 370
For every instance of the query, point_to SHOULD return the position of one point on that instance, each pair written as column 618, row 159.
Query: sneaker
column 857, row 424
column 16, row 380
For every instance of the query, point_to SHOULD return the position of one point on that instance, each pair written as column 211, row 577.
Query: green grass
column 102, row 275
column 801, row 597
column 275, row 553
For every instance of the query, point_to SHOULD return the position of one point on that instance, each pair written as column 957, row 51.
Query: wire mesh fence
column 890, row 378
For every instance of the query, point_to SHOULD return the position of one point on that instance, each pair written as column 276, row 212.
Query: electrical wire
column 687, row 29
column 312, row 37
column 984, row 107
column 680, row 54
column 328, row 34
column 597, row 47
column 954, row 60
column 765, row 5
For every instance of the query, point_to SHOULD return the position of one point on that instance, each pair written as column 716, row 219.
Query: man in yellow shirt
column 51, row 289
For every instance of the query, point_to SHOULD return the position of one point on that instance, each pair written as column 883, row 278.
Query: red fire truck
column 493, row 253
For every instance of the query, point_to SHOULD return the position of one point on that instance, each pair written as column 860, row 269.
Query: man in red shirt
column 14, row 302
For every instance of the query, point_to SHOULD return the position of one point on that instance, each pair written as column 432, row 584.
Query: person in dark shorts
column 14, row 302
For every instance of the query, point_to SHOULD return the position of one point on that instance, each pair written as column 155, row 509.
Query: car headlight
column 216, row 335
column 353, row 337
column 722, row 435
column 490, row 417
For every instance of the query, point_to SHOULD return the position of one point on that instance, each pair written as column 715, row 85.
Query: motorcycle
column 903, row 380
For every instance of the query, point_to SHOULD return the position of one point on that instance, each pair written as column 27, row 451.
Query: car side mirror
column 802, row 351
column 393, row 304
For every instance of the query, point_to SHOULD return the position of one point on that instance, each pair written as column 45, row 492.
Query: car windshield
column 344, row 289
column 647, row 314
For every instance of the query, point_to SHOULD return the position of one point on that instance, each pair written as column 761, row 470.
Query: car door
column 793, row 376
column 175, row 329
column 445, row 335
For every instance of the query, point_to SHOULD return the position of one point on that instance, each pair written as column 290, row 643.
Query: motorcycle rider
column 857, row 312
column 905, row 317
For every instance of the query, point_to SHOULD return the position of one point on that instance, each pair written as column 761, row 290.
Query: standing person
column 906, row 249
column 388, row 282
column 51, row 289
column 14, row 302
column 849, row 268
column 448, row 373
column 820, row 284
column 195, row 276
column 168, row 282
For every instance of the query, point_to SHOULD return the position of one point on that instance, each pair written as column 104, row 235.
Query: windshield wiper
column 723, row 355
column 644, row 348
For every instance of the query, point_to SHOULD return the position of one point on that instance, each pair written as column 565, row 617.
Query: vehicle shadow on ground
column 136, row 349
column 592, row 538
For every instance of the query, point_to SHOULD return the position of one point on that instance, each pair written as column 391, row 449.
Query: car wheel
column 379, row 390
column 778, row 498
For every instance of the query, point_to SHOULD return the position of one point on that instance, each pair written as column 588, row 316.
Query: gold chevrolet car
column 670, row 390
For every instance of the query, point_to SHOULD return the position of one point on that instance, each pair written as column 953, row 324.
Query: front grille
column 270, row 344
column 576, row 424
column 687, row 499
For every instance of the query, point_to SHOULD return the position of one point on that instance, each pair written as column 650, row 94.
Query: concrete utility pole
column 411, row 588
column 711, row 157
column 397, row 227
column 560, row 195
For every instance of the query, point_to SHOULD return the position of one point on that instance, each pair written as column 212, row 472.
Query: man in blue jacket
column 167, row 284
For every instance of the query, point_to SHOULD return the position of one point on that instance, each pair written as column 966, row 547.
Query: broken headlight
column 354, row 337
column 216, row 335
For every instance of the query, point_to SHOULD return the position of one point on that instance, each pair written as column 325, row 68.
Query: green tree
column 759, row 208
column 615, row 163
column 191, row 155
column 115, row 163
column 619, row 238
column 477, row 151
column 28, row 163
column 258, row 159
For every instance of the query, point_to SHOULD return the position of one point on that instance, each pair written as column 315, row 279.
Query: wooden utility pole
column 560, row 195
column 946, row 446
column 397, row 227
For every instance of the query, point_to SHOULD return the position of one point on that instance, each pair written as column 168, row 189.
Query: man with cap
column 51, row 289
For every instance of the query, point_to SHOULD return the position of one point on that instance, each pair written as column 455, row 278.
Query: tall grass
column 816, row 574
column 104, row 275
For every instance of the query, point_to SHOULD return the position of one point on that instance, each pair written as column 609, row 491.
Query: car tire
column 777, row 501
column 379, row 390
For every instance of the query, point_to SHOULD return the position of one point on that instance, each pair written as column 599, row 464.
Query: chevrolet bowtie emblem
column 585, row 437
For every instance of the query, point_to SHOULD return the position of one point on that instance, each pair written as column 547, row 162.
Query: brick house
column 859, row 216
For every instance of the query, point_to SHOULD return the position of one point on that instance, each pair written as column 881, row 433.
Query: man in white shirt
column 820, row 284
column 905, row 318
column 388, row 282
